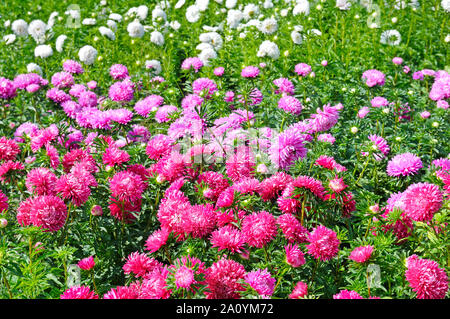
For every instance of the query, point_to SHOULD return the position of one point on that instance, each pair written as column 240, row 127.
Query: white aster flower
column 34, row 68
column 175, row 25
column 9, row 38
column 202, row 4
column 158, row 13
column 43, row 51
column 107, row 32
column 89, row 21
column 445, row 4
column 154, row 65
column 51, row 20
column 37, row 29
column 112, row 24
column 157, row 38
column 270, row 49
column 115, row 16
column 135, row 29
column 87, row 54
column 296, row 37
column 343, row 4
column 179, row 4
column 230, row 4
column 234, row 18
column 192, row 14
column 60, row 42
column 269, row 26
column 302, row 7
column 391, row 37
column 20, row 28
column 206, row 55
column 142, row 12
column 250, row 10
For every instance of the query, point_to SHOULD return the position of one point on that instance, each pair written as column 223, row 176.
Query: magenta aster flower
column 323, row 243
column 379, row 144
column 62, row 80
column 422, row 201
column 374, row 77
column 204, row 86
column 250, row 72
column 157, row 239
column 290, row 104
column 219, row 71
column 79, row 292
column 160, row 145
column 48, row 212
column 404, row 164
column 259, row 228
column 115, row 156
column 300, row 291
column 7, row 89
column 228, row 237
column 118, row 71
column 72, row 66
column 121, row 91
column 397, row 60
column 223, row 279
column 426, row 279
column 325, row 119
column 140, row 264
column 361, row 254
column 87, row 263
column 379, row 101
column 292, row 230
column 347, row 294
column 294, row 256
column 8, row 149
column 284, row 86
column 149, row 104
column 261, row 281
column 126, row 186
column 287, row 148
column 303, row 69
column 194, row 63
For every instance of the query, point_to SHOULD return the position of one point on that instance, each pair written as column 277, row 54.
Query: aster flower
column 87, row 263
column 126, row 186
column 118, row 71
column 404, row 164
column 115, row 156
column 62, row 80
column 79, row 292
column 139, row 264
column 294, row 256
column 379, row 144
column 287, row 148
column 223, row 279
column 422, row 201
column 347, row 294
column 284, row 85
column 426, row 278
column 325, row 119
column 47, row 212
column 200, row 220
column 241, row 163
column 303, row 69
column 160, row 145
column 250, row 72
column 292, row 230
column 261, row 281
column 154, row 285
column 149, row 104
column 259, row 228
column 194, row 63
column 274, row 185
column 228, row 237
column 205, row 85
column 121, row 91
column 290, row 104
column 374, row 77
column 187, row 273
column 361, row 254
column 300, row 291
column 125, row 210
column 8, row 149
column 323, row 243
column 156, row 240
column 73, row 188
column 214, row 184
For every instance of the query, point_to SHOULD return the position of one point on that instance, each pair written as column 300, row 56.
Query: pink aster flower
column 229, row 96
column 154, row 285
column 361, row 254
column 274, row 185
column 204, row 86
column 73, row 188
column 303, row 69
column 374, row 77
column 363, row 112
column 324, row 119
column 284, row 86
column 326, row 138
column 156, row 240
column 347, row 294
column 250, row 72
column 57, row 95
column 261, row 281
column 214, row 184
column 139, row 264
column 292, row 230
column 290, row 104
column 228, row 237
column 397, row 60
column 115, row 156
column 241, row 164
column 194, row 63
column 118, row 71
column 8, row 149
column 426, row 278
column 3, row 202
column 337, row 185
column 62, row 80
column 160, row 145
column 121, row 91
column 126, row 186
column 149, row 104
column 379, row 144
column 72, row 66
column 223, row 279
column 163, row 113
column 259, row 228
column 87, row 263
column 7, row 89
column 323, row 243
column 48, row 212
column 87, row 99
column 125, row 210
column 287, row 148
column 300, row 291
column 379, row 101
column 200, row 220
column 422, row 201
column 294, row 256
column 219, row 71
column 79, row 292
column 404, row 164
